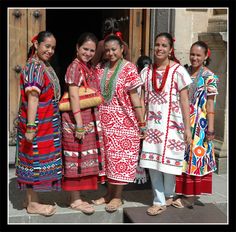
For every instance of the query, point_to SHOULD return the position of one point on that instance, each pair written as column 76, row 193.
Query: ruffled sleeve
column 211, row 84
column 183, row 78
column 133, row 79
column 74, row 74
column 33, row 75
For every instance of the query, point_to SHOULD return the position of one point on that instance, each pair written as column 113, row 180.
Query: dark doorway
column 68, row 24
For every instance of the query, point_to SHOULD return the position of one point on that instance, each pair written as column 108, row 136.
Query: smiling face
column 113, row 50
column 162, row 48
column 86, row 51
column 197, row 56
column 46, row 48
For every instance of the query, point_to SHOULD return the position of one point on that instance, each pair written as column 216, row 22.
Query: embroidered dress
column 82, row 158
column 120, row 126
column 199, row 159
column 39, row 164
column 163, row 148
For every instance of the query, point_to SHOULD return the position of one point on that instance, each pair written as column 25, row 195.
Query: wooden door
column 23, row 24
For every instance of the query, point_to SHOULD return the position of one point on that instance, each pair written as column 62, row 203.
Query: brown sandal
column 155, row 210
column 178, row 203
column 113, row 205
column 100, row 201
column 84, row 207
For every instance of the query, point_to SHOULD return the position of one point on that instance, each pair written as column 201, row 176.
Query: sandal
column 178, row 203
column 156, row 209
column 41, row 209
column 113, row 205
column 169, row 201
column 100, row 201
column 84, row 207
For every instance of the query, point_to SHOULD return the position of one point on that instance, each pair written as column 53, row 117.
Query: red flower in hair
column 34, row 39
column 119, row 34
column 208, row 52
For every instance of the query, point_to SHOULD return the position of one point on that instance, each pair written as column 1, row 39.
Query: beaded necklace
column 108, row 87
column 164, row 78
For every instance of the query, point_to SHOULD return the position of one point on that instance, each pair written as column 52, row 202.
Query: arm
column 33, row 99
column 184, row 102
column 210, row 116
column 75, row 107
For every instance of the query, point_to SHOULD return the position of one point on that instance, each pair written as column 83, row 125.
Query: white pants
column 163, row 185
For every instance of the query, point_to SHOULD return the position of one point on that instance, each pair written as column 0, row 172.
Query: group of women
column 173, row 117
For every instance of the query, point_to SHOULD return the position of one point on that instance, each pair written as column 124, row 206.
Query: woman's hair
column 171, row 42
column 142, row 62
column 114, row 37
column 87, row 36
column 205, row 47
column 111, row 25
column 40, row 38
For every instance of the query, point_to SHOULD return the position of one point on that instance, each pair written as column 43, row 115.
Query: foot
column 156, row 209
column 41, row 209
column 179, row 203
column 82, row 206
column 113, row 205
column 169, row 201
column 101, row 201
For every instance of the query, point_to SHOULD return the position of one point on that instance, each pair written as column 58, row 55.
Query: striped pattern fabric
column 39, row 164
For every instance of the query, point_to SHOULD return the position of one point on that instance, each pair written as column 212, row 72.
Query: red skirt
column 193, row 185
column 80, row 183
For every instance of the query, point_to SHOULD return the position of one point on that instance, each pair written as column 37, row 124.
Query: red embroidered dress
column 120, row 127
column 39, row 164
column 82, row 158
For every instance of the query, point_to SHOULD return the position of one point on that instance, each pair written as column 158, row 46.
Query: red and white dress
column 163, row 148
column 120, row 126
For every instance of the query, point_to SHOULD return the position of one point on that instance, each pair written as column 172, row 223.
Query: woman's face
column 162, row 48
column 86, row 51
column 197, row 56
column 46, row 49
column 113, row 50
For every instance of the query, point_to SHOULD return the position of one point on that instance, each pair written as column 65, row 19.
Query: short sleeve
column 133, row 79
column 211, row 84
column 183, row 78
column 74, row 74
column 33, row 77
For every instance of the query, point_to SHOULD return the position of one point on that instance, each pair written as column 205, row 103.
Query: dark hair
column 86, row 36
column 142, row 61
column 171, row 42
column 40, row 38
column 111, row 25
column 205, row 47
column 114, row 37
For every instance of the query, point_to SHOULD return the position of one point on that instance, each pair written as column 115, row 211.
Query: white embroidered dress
column 163, row 148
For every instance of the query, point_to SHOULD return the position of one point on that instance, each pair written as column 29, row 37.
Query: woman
column 81, row 134
column 199, row 160
column 39, row 164
column 168, row 126
column 110, row 27
column 119, row 81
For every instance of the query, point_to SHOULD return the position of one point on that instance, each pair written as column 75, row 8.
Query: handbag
column 88, row 97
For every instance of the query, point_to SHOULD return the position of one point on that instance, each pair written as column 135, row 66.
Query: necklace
column 164, row 78
column 108, row 86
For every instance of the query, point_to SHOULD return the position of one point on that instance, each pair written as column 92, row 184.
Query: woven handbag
column 88, row 97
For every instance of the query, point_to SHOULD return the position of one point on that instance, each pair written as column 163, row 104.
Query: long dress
column 163, row 147
column 82, row 158
column 120, row 126
column 39, row 164
column 199, row 160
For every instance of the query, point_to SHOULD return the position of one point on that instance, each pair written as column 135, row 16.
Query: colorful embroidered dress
column 120, row 126
column 199, row 159
column 39, row 164
column 163, row 148
column 82, row 158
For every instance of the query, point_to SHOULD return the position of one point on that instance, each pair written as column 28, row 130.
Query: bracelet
column 141, row 124
column 142, row 129
column 76, row 112
column 79, row 129
column 135, row 107
column 31, row 124
column 209, row 133
column 210, row 113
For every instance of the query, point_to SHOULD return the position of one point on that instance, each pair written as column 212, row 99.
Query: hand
column 188, row 136
column 79, row 135
column 30, row 136
column 142, row 132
